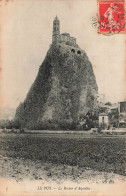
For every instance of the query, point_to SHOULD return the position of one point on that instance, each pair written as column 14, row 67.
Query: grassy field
column 106, row 154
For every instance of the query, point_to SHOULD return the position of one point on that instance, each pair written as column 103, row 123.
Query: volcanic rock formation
column 65, row 88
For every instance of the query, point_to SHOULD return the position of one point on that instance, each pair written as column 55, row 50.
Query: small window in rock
column 72, row 50
column 78, row 52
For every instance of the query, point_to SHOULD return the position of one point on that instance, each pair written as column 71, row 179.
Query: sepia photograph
column 62, row 97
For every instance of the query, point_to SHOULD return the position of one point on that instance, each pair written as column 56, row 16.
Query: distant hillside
column 7, row 113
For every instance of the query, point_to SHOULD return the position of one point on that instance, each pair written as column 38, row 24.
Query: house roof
column 103, row 114
column 66, row 34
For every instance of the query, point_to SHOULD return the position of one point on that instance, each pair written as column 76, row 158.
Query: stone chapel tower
column 56, row 30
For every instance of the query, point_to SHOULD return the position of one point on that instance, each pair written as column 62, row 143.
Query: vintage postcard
column 62, row 97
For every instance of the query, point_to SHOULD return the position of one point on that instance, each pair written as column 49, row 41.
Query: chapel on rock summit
column 63, row 38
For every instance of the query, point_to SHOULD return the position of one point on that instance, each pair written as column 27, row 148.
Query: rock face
column 64, row 90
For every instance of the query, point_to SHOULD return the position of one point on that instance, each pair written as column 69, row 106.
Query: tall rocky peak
column 64, row 90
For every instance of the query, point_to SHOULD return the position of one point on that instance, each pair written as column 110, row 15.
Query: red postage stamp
column 111, row 16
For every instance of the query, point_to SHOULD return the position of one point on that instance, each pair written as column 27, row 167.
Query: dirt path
column 20, row 169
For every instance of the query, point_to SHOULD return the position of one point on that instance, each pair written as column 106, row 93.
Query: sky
column 26, row 34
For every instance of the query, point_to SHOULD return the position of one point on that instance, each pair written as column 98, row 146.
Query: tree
column 6, row 124
column 108, row 103
column 114, row 118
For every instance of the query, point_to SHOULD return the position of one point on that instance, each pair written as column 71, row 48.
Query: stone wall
column 67, row 39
